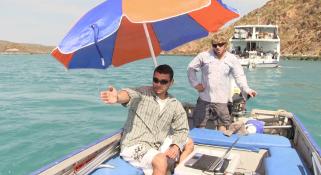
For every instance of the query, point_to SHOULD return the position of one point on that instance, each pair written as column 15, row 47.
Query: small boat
column 284, row 147
column 256, row 45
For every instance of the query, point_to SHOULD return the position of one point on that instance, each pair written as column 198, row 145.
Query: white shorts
column 145, row 163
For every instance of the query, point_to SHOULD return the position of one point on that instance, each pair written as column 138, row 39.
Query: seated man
column 154, row 116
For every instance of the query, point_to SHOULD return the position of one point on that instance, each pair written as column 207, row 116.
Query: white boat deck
column 241, row 161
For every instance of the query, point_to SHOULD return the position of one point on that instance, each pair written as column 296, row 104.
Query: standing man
column 217, row 66
column 156, row 129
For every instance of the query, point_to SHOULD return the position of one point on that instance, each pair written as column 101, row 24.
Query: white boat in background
column 256, row 45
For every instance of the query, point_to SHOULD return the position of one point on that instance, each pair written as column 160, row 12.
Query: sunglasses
column 162, row 82
column 218, row 44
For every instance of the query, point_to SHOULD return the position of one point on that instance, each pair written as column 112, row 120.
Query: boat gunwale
column 302, row 134
column 52, row 165
column 306, row 133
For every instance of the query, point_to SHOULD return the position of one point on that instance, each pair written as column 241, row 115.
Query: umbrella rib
column 96, row 43
column 150, row 45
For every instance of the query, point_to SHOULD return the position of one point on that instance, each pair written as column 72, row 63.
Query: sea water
column 48, row 111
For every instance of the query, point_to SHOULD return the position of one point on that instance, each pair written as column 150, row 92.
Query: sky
column 47, row 21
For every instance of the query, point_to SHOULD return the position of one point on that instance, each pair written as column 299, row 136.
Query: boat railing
column 257, row 36
column 256, row 54
column 276, row 122
column 266, row 35
column 259, row 33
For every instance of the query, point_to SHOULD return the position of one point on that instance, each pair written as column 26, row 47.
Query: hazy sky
column 47, row 21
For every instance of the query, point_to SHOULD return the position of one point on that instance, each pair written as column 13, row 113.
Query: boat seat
column 252, row 142
column 284, row 161
column 117, row 166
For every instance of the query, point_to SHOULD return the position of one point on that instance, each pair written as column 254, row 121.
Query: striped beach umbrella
column 117, row 32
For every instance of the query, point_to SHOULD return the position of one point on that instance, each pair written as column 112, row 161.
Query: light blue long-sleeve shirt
column 216, row 76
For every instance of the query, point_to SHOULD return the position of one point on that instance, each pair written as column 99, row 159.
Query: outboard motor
column 237, row 108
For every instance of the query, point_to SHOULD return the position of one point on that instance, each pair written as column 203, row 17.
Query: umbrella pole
column 150, row 45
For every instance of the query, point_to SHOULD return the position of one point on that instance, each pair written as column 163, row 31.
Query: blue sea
column 48, row 111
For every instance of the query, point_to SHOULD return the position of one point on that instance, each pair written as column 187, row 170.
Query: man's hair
column 219, row 39
column 165, row 69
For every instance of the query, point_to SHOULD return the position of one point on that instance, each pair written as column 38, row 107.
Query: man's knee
column 159, row 162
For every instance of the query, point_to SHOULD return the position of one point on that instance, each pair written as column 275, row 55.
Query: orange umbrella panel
column 113, row 32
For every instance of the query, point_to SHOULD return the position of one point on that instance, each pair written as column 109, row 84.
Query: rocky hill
column 7, row 47
column 299, row 24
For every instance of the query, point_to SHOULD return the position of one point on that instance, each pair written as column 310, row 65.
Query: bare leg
column 222, row 128
column 159, row 164
column 188, row 149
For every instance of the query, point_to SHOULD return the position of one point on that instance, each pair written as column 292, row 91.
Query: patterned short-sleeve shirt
column 147, row 126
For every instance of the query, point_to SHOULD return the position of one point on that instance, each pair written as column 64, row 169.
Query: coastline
column 23, row 53
column 284, row 57
column 301, row 57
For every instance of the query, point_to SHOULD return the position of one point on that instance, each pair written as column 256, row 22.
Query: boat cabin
column 260, row 42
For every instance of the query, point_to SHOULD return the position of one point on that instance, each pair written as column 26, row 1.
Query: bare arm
column 112, row 96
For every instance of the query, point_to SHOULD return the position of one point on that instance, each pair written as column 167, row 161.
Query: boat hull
column 277, row 124
column 261, row 65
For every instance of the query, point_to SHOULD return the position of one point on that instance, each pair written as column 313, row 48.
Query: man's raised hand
column 109, row 96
